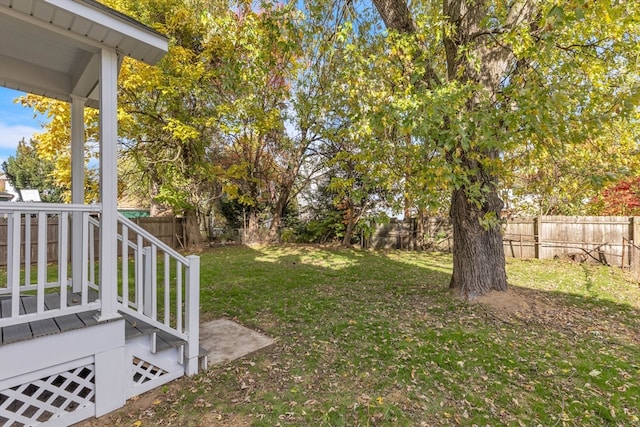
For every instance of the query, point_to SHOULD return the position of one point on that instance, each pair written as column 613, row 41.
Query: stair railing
column 159, row 285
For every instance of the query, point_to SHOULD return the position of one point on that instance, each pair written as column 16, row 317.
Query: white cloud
column 10, row 135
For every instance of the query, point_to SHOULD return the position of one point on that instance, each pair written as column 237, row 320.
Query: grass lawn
column 366, row 338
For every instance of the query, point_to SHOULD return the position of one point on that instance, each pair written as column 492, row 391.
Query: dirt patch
column 521, row 305
column 530, row 306
column 513, row 302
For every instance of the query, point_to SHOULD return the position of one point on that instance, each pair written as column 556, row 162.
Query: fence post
column 537, row 228
column 634, row 236
column 634, row 232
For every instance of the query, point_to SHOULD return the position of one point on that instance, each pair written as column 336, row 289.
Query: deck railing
column 160, row 284
column 154, row 282
column 29, row 271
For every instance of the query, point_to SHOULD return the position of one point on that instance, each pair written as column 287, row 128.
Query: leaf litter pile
column 371, row 338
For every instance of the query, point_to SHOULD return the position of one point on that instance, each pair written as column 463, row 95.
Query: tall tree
column 494, row 75
column 258, row 53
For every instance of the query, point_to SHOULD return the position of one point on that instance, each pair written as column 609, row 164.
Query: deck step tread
column 136, row 327
column 139, row 327
column 43, row 327
column 69, row 322
column 166, row 341
column 89, row 318
column 15, row 333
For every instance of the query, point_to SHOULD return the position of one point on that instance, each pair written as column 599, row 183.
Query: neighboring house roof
column 60, row 47
column 6, row 197
column 7, row 189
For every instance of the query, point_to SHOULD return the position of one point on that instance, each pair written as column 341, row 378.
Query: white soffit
column 51, row 47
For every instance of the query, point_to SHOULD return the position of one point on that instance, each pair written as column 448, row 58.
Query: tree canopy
column 27, row 170
column 388, row 108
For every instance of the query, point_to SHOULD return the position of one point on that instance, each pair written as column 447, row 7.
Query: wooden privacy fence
column 611, row 240
column 410, row 234
column 170, row 230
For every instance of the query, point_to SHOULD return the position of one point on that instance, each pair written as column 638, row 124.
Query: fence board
column 519, row 237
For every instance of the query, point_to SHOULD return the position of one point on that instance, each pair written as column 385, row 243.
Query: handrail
column 159, row 243
column 8, row 207
column 153, row 281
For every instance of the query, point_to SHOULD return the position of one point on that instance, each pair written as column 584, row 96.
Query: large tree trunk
column 478, row 253
column 193, row 236
column 350, row 227
column 252, row 226
column 278, row 211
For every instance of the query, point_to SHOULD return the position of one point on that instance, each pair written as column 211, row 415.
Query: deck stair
column 156, row 356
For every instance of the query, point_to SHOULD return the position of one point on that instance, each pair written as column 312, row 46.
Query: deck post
column 108, row 184
column 77, row 189
column 192, row 315
column 111, row 380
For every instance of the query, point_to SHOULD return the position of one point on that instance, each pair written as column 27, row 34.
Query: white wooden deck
column 134, row 327
column 39, row 328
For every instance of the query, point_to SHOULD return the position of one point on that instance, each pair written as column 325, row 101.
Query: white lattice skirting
column 144, row 371
column 149, row 370
column 54, row 399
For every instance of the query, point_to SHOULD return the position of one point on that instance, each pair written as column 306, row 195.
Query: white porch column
column 77, row 189
column 108, row 183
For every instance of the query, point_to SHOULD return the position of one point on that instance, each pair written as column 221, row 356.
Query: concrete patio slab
column 226, row 340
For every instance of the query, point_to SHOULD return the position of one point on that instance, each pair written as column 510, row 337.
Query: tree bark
column 193, row 239
column 350, row 226
column 252, row 228
column 278, row 210
column 478, row 252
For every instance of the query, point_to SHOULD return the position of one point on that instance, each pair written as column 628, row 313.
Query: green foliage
column 557, row 123
column 53, row 145
column 251, row 103
column 27, row 170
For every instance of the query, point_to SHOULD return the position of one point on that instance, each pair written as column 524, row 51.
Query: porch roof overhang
column 52, row 47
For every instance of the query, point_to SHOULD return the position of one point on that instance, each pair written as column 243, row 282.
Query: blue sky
column 16, row 122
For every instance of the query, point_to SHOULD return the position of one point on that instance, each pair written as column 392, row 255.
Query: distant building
column 7, row 192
